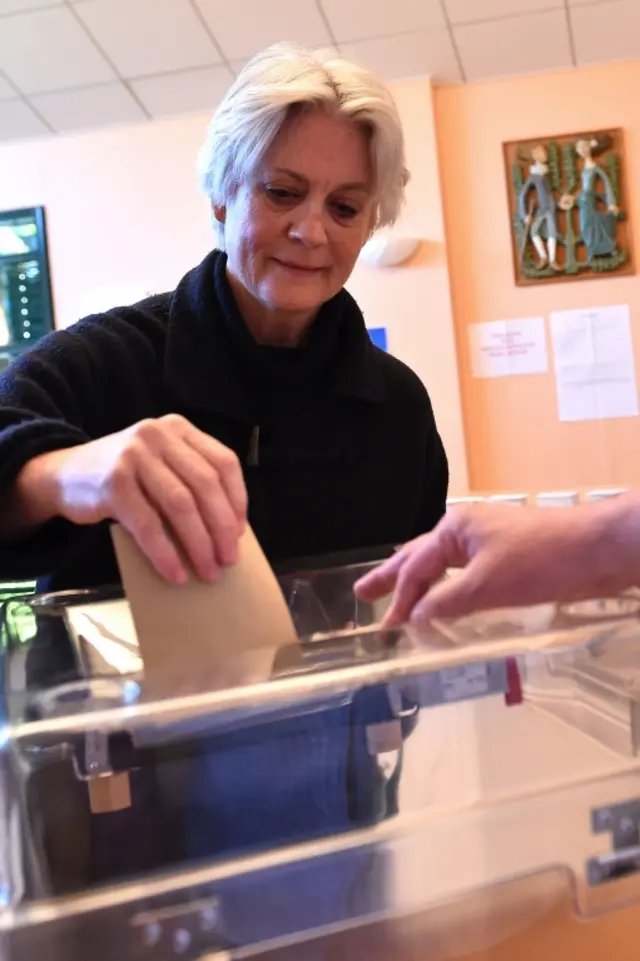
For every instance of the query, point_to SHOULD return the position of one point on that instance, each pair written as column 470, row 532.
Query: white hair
column 285, row 77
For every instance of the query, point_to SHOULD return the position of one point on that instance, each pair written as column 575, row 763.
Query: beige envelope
column 202, row 636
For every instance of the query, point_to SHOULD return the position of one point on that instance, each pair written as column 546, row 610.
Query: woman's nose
column 309, row 227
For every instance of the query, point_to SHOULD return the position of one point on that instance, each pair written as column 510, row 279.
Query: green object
column 26, row 306
column 569, row 165
column 571, row 261
column 19, row 622
column 613, row 170
column 517, row 179
column 554, row 166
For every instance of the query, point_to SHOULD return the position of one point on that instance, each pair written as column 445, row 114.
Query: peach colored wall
column 125, row 217
column 414, row 302
column 514, row 437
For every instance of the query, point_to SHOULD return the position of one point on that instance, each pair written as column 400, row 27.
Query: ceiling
column 75, row 64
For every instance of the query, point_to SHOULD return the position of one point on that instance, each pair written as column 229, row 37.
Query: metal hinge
column 622, row 822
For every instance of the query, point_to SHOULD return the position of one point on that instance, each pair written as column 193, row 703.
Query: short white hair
column 280, row 79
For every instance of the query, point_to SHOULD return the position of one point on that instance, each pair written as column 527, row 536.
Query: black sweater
column 349, row 454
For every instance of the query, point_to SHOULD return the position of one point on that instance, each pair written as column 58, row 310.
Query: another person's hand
column 156, row 474
column 510, row 556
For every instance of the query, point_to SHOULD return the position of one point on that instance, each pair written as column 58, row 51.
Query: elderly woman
column 252, row 386
column 251, row 391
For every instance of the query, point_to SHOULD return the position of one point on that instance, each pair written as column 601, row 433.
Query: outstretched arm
column 510, row 557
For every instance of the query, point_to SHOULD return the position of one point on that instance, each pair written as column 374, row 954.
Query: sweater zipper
column 253, row 457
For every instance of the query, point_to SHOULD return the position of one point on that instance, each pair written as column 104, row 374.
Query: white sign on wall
column 508, row 348
column 594, row 363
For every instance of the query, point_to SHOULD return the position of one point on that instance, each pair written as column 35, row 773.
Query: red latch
column 514, row 683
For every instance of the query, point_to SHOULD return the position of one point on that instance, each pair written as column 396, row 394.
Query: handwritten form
column 594, row 363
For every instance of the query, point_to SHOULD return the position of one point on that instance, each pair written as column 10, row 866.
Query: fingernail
column 418, row 614
column 179, row 576
column 227, row 553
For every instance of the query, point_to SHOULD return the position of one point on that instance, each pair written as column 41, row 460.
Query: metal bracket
column 189, row 930
column 93, row 760
column 622, row 822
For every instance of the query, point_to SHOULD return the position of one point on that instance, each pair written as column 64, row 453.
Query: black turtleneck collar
column 213, row 362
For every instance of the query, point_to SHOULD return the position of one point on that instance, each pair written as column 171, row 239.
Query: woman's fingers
column 145, row 525
column 171, row 497
column 227, row 466
column 204, row 483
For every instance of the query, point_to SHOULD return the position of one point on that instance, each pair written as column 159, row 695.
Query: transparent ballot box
column 372, row 794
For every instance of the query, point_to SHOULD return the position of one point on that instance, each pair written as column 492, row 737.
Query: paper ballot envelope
column 201, row 636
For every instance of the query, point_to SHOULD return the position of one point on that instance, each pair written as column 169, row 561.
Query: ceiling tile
column 90, row 107
column 49, row 50
column 519, row 45
column 17, row 120
column 149, row 36
column 361, row 19
column 256, row 25
column 21, row 6
column 470, row 11
column 607, row 31
column 188, row 92
column 412, row 54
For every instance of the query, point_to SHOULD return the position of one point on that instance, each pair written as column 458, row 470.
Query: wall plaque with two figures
column 568, row 209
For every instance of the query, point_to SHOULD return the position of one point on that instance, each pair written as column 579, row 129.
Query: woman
column 254, row 383
column 598, row 227
column 251, row 390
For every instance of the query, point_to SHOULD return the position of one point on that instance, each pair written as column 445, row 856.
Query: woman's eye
column 345, row 211
column 280, row 193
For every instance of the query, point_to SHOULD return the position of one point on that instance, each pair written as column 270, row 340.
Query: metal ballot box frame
column 381, row 794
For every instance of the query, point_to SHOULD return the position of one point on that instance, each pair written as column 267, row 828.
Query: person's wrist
column 36, row 490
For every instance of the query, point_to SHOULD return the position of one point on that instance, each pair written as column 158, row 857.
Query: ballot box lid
column 366, row 777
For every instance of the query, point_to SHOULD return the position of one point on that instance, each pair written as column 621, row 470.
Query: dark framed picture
column 568, row 207
column 26, row 304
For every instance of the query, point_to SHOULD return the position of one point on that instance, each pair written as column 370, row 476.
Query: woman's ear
column 220, row 213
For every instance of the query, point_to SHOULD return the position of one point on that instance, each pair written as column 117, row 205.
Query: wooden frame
column 568, row 211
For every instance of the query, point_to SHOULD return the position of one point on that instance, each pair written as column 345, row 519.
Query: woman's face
column 293, row 231
column 539, row 154
column 583, row 149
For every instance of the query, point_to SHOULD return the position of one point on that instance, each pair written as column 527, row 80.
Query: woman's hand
column 155, row 474
column 511, row 556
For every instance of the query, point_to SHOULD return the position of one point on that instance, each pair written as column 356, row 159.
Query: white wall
column 123, row 210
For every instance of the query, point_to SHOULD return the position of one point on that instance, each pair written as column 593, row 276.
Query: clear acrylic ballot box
column 470, row 792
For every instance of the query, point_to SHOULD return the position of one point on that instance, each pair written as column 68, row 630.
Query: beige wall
column 414, row 302
column 125, row 217
column 514, row 437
